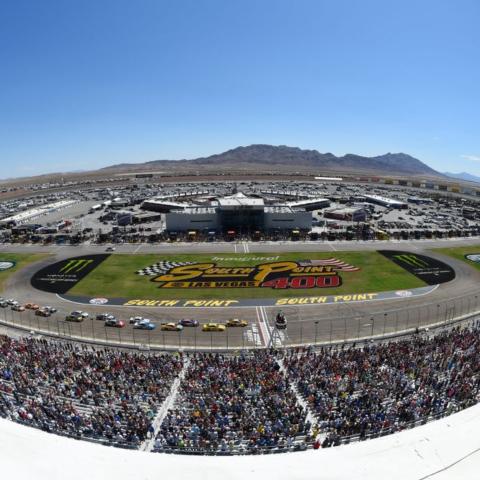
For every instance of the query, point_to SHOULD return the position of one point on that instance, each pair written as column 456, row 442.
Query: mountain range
column 268, row 156
column 463, row 176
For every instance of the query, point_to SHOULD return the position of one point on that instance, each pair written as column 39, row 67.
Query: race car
column 3, row 303
column 16, row 307
column 144, row 324
column 81, row 313
column 213, row 327
column 114, row 322
column 171, row 327
column 105, row 316
column 31, row 306
column 188, row 322
column 50, row 309
column 137, row 319
column 235, row 322
column 43, row 312
column 280, row 321
column 74, row 317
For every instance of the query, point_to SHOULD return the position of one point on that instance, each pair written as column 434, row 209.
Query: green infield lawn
column 116, row 277
column 21, row 260
column 460, row 252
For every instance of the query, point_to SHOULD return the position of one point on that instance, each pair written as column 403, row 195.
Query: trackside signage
column 61, row 276
column 254, row 302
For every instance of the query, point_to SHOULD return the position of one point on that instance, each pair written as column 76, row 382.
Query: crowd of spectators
column 75, row 390
column 231, row 404
column 250, row 402
column 383, row 388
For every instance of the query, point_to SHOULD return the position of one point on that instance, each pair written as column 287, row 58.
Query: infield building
column 238, row 213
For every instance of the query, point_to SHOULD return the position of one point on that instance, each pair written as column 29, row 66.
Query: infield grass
column 116, row 277
column 21, row 260
column 460, row 252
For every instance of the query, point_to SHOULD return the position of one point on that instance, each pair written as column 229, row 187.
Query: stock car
column 74, row 317
column 213, row 327
column 114, row 322
column 171, row 327
column 16, row 307
column 235, row 322
column 105, row 316
column 137, row 319
column 144, row 324
column 3, row 303
column 31, row 306
column 43, row 312
column 50, row 309
column 188, row 322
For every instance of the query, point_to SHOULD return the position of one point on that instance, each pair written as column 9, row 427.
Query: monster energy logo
column 412, row 260
column 75, row 265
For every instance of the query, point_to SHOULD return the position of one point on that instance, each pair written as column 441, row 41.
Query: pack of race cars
column 137, row 322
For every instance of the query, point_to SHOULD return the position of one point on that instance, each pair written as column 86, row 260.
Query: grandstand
column 259, row 401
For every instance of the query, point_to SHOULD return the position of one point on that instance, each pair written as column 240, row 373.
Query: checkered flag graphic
column 160, row 268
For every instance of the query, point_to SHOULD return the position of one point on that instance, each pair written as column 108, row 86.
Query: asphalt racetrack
column 308, row 323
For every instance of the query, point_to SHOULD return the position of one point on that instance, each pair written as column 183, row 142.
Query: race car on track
column 43, row 312
column 188, row 322
column 213, row 327
column 235, row 322
column 16, row 307
column 50, row 309
column 171, row 327
column 3, row 303
column 280, row 321
column 82, row 314
column 105, row 316
column 137, row 319
column 31, row 306
column 74, row 317
column 114, row 322
column 144, row 324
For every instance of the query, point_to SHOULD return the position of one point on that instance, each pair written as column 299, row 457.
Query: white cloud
column 472, row 158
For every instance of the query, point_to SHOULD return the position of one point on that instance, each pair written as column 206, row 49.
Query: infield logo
column 6, row 265
column 75, row 265
column 428, row 269
column 277, row 275
column 412, row 260
column 60, row 277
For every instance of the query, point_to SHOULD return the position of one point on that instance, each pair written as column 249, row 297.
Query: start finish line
column 260, row 302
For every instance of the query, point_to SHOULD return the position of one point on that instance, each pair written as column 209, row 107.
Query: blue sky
column 91, row 83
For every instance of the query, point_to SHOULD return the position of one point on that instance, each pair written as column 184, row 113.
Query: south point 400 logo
column 280, row 275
